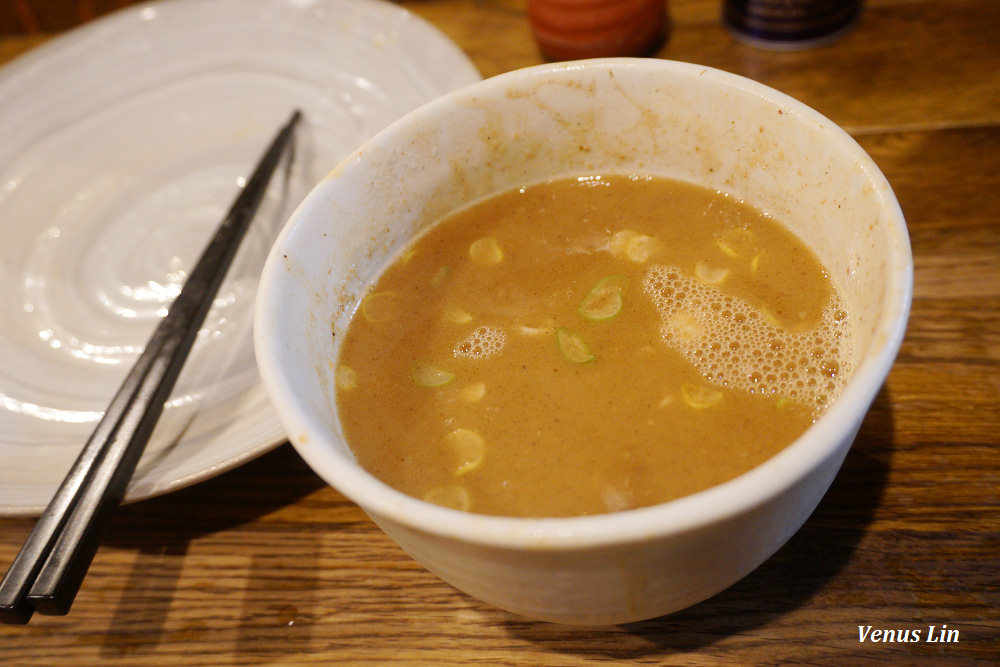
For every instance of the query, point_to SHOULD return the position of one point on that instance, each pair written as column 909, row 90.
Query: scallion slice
column 573, row 347
column 604, row 301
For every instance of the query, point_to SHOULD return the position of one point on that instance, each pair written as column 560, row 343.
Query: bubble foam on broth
column 482, row 343
column 737, row 345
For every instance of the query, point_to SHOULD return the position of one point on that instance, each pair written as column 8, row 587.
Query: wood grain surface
column 268, row 565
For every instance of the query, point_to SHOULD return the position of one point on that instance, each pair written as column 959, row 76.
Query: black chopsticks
column 46, row 574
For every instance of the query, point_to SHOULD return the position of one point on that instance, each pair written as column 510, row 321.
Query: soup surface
column 589, row 345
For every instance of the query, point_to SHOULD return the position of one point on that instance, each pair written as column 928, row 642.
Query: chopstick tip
column 18, row 614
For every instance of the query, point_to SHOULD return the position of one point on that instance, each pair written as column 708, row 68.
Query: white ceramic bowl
column 617, row 115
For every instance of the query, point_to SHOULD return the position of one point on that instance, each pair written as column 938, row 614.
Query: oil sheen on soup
column 588, row 345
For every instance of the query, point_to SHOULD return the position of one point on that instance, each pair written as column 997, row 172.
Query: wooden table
column 267, row 565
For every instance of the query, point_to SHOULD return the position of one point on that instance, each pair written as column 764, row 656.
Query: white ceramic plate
column 122, row 144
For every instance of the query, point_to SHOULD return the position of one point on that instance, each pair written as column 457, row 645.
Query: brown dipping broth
column 589, row 345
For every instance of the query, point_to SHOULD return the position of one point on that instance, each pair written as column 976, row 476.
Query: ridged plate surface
column 122, row 144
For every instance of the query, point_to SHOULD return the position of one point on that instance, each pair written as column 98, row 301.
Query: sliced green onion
column 700, row 396
column 474, row 392
column 684, row 326
column 486, row 251
column 605, row 299
column 345, row 378
column 737, row 242
column 456, row 315
column 380, row 306
column 469, row 448
column 427, row 375
column 440, row 276
column 710, row 275
column 631, row 245
column 453, row 496
column 573, row 347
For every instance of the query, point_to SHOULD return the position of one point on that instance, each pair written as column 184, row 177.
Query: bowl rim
column 828, row 437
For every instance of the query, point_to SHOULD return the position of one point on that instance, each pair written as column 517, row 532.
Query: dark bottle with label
column 789, row 24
